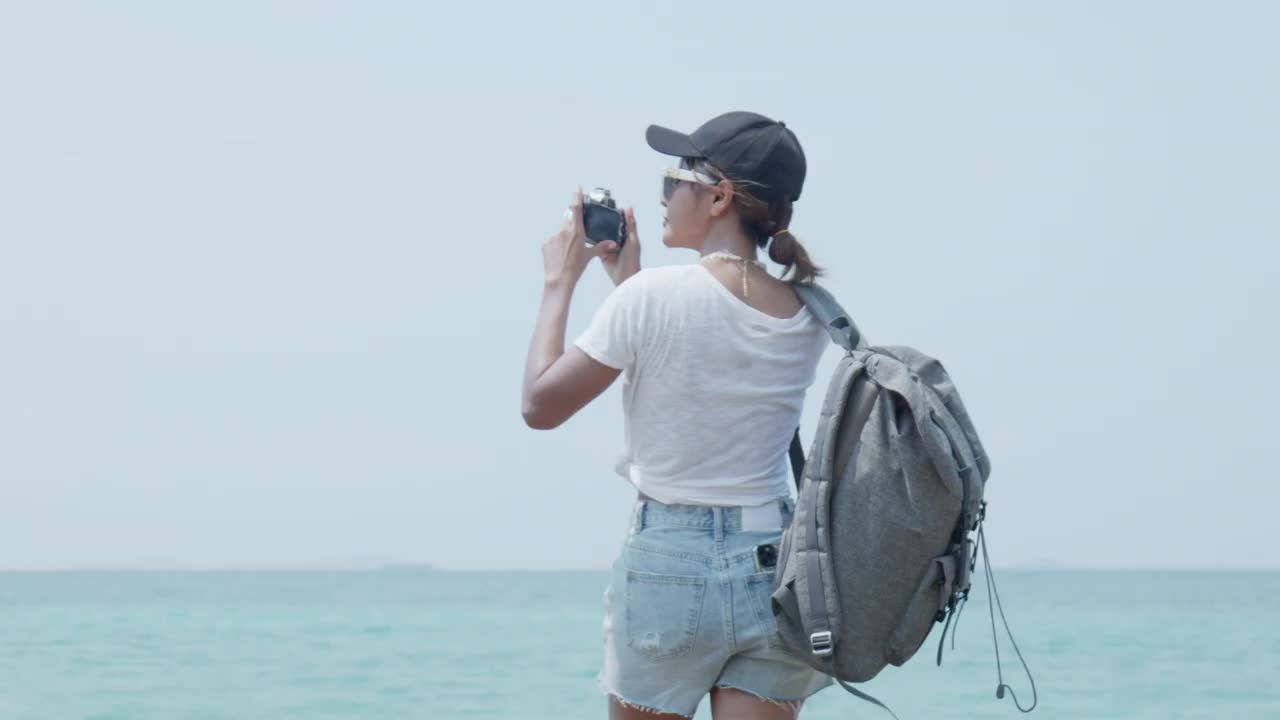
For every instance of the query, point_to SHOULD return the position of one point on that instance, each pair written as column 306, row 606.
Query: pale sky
column 268, row 271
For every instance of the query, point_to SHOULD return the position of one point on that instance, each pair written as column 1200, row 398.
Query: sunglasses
column 673, row 176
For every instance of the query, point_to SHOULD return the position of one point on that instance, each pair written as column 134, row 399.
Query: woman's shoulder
column 665, row 275
column 664, row 281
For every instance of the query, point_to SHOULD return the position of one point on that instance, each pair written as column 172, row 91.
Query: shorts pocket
column 663, row 612
column 760, row 593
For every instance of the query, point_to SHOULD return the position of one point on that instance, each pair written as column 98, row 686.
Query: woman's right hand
column 625, row 262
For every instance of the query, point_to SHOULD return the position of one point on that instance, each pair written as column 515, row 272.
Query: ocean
column 444, row 644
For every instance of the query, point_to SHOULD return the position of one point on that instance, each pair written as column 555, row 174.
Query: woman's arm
column 558, row 384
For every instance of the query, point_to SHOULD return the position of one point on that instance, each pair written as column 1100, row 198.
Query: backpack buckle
column 820, row 643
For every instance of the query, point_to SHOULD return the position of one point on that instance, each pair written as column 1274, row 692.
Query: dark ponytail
column 767, row 224
column 784, row 247
column 786, row 250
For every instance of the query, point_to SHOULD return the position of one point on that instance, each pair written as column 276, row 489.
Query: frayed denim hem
column 638, row 706
column 792, row 705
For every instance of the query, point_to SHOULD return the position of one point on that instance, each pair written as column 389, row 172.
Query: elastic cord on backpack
column 992, row 590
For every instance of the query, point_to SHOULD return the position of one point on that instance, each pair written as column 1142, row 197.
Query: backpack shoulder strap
column 833, row 317
column 843, row 333
column 797, row 458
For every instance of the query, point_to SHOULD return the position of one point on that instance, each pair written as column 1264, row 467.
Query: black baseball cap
column 745, row 146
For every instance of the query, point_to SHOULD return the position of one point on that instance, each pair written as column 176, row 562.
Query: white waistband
column 761, row 518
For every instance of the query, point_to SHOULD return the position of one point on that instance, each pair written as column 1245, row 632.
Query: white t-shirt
column 713, row 387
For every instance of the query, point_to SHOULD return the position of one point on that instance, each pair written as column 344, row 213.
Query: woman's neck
column 730, row 240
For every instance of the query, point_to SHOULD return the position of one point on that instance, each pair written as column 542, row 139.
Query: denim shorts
column 687, row 609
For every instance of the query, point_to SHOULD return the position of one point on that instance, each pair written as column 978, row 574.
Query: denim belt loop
column 637, row 517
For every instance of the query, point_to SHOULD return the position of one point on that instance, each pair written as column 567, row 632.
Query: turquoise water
column 441, row 644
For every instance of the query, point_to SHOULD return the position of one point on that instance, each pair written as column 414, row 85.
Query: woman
column 717, row 355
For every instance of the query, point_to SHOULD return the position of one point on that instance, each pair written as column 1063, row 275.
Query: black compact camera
column 602, row 219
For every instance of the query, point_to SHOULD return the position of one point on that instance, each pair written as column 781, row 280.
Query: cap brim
column 670, row 142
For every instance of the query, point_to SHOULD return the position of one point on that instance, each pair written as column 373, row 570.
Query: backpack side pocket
column 929, row 597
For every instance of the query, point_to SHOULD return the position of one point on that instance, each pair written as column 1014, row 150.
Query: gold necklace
column 738, row 260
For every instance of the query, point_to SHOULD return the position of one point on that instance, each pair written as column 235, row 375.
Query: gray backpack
column 880, row 545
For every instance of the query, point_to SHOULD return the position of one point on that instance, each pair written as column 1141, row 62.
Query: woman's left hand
column 565, row 255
